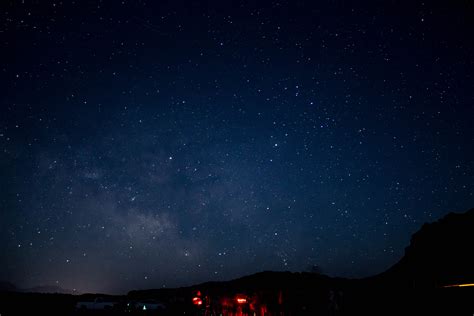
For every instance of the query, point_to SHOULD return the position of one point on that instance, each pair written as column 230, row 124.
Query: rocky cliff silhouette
column 439, row 254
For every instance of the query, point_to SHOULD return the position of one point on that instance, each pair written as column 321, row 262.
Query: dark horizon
column 316, row 270
column 147, row 145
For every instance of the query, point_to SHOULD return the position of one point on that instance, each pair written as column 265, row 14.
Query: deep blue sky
column 147, row 145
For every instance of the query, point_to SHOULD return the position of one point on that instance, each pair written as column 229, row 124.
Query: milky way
column 149, row 145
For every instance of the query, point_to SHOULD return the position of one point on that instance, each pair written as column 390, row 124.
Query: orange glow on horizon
column 460, row 285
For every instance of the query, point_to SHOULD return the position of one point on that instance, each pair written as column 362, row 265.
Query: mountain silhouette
column 6, row 286
column 439, row 254
column 49, row 289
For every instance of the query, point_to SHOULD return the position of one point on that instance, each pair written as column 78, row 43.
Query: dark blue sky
column 146, row 145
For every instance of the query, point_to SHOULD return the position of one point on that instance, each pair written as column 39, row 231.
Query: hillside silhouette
column 439, row 254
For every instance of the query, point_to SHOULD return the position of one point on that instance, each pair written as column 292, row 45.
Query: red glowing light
column 241, row 300
column 197, row 301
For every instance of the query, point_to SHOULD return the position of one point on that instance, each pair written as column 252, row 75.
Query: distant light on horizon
column 460, row 285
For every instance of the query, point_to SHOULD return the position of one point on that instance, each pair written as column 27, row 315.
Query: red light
column 197, row 301
column 241, row 300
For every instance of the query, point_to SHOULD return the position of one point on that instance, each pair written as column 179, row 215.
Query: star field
column 147, row 145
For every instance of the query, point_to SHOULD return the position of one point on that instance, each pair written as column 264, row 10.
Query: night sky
column 149, row 144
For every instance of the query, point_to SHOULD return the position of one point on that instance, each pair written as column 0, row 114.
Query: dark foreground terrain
column 433, row 278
